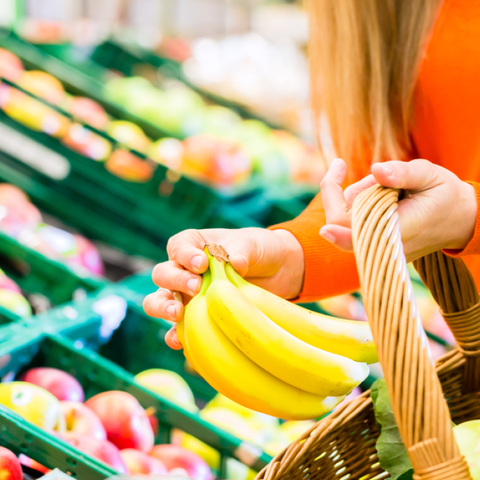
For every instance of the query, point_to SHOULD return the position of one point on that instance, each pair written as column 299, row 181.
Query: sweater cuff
column 473, row 247
column 329, row 271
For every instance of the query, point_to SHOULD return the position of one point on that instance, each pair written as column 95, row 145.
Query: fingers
column 172, row 276
column 340, row 236
column 186, row 248
column 171, row 339
column 415, row 175
column 336, row 209
column 353, row 190
column 161, row 304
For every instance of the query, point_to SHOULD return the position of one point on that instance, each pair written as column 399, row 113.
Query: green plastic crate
column 37, row 274
column 182, row 204
column 22, row 437
column 96, row 374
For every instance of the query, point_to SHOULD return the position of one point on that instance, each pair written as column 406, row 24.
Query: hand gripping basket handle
column 416, row 394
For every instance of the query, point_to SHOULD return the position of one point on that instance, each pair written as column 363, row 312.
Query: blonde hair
column 364, row 61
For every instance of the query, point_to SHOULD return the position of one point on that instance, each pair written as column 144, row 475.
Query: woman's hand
column 271, row 259
column 437, row 211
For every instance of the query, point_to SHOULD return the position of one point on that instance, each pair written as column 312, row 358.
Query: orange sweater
column 446, row 132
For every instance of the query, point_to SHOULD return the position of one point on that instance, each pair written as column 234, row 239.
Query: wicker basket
column 425, row 397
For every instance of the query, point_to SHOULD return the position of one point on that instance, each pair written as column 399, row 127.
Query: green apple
column 169, row 385
column 467, row 436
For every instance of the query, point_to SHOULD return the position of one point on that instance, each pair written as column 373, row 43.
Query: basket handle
column 416, row 394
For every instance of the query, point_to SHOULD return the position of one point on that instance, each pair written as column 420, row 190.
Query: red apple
column 102, row 450
column 11, row 66
column 29, row 462
column 81, row 421
column 89, row 111
column 173, row 456
column 129, row 167
column 57, row 382
column 125, row 421
column 139, row 462
column 10, row 468
column 6, row 283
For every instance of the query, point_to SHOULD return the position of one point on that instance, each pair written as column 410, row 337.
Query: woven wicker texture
column 342, row 446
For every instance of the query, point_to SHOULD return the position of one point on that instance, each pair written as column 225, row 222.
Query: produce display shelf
column 22, row 437
column 82, row 76
column 129, row 58
column 97, row 373
column 39, row 275
column 133, row 217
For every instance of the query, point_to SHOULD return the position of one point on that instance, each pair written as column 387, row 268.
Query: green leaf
column 392, row 454
column 408, row 475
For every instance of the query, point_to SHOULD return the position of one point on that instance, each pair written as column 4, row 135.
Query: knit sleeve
column 328, row 270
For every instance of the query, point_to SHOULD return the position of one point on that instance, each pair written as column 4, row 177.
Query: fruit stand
column 107, row 150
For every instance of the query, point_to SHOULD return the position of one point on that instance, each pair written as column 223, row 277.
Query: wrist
column 293, row 263
column 467, row 208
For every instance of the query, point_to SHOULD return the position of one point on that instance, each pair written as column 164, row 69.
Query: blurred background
column 252, row 51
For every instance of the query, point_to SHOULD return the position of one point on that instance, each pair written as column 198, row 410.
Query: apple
column 168, row 152
column 221, row 162
column 89, row 111
column 43, row 85
column 129, row 167
column 11, row 66
column 18, row 213
column 467, row 436
column 6, row 283
column 125, row 421
column 10, row 468
column 33, row 403
column 174, row 456
column 32, row 113
column 29, row 462
column 87, row 143
column 80, row 421
column 59, row 383
column 169, row 385
column 88, row 256
column 15, row 303
column 130, row 134
column 102, row 450
column 140, row 462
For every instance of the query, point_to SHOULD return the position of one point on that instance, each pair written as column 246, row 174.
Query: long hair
column 364, row 62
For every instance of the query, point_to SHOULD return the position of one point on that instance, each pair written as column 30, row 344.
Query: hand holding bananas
column 273, row 260
column 266, row 353
column 438, row 210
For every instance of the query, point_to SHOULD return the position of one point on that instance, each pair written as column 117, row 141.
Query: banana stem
column 206, row 281
column 217, row 267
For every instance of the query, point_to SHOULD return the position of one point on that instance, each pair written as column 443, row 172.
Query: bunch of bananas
column 268, row 354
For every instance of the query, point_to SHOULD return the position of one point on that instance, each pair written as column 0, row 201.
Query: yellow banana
column 274, row 349
column 349, row 338
column 233, row 374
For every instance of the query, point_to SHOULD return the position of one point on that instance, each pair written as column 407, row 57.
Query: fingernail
column 172, row 311
column 327, row 236
column 197, row 261
column 387, row 170
column 334, row 162
column 192, row 285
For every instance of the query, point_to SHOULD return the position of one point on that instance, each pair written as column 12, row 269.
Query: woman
column 396, row 79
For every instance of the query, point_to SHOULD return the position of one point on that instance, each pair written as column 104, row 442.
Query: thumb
column 415, row 175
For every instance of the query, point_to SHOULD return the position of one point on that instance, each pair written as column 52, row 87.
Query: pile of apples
column 221, row 148
column 11, row 297
column 111, row 426
column 22, row 220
